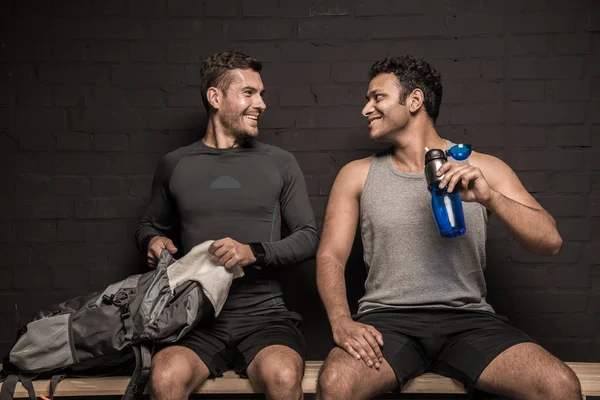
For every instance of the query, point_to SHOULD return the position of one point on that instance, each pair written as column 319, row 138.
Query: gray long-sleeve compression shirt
column 202, row 193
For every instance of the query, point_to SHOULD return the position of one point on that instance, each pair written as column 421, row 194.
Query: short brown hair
column 215, row 70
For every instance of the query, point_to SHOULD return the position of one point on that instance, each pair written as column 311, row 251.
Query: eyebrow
column 253, row 89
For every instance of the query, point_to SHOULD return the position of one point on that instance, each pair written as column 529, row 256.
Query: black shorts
column 454, row 343
column 232, row 341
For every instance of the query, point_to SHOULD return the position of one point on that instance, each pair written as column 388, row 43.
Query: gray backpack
column 106, row 332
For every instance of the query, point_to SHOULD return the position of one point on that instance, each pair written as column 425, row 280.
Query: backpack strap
column 10, row 384
column 141, row 373
column 54, row 381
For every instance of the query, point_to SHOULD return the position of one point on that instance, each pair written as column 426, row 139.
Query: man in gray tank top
column 425, row 307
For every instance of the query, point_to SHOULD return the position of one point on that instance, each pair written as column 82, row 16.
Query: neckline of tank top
column 410, row 175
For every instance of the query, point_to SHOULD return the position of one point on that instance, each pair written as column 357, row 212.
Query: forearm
column 331, row 284
column 144, row 233
column 533, row 228
column 299, row 246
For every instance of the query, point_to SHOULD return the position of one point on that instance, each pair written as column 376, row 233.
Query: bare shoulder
column 353, row 175
column 494, row 169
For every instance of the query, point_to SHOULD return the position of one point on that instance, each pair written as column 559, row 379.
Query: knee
column 562, row 385
column 332, row 384
column 169, row 380
column 284, row 378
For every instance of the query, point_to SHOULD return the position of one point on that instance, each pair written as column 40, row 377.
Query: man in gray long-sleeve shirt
column 230, row 188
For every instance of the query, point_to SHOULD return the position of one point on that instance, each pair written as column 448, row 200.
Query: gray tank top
column 409, row 265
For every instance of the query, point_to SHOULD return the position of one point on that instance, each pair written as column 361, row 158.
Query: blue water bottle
column 447, row 207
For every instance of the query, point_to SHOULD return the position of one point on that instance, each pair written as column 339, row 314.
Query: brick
column 176, row 118
column 101, row 8
column 78, row 141
column 518, row 45
column 109, row 208
column 528, row 136
column 591, row 253
column 330, row 95
column 108, row 29
column 36, row 142
column 526, row 91
column 570, row 182
column 159, row 142
column 99, row 97
column 111, row 142
column 312, row 9
column 106, row 232
column 67, row 96
column 568, row 349
column 574, row 228
column 265, row 52
column 75, row 163
column 333, row 29
column 139, row 186
column 279, row 118
column 480, row 92
column 571, row 43
column 303, row 140
column 152, row 98
column 29, row 185
column 28, row 8
column 548, row 68
column 142, row 76
column 577, row 325
column 491, row 70
column 74, row 75
column 573, row 276
column 477, row 114
column 399, row 27
column 140, row 51
column 117, row 52
column 222, row 8
column 546, row 113
column 350, row 71
column 330, row 117
column 71, row 231
column 185, row 8
column 579, row 90
column 184, row 98
column 17, row 74
column 183, row 53
column 387, row 7
column 107, row 186
column 563, row 206
column 72, row 8
column 147, row 8
column 6, row 279
column 70, row 278
column 70, row 186
column 37, row 231
column 18, row 254
column 70, row 50
column 35, row 96
column 258, row 30
column 32, row 50
column 297, row 73
column 595, row 206
column 31, row 278
column 465, row 47
column 295, row 96
column 39, row 119
column 472, row 25
column 38, row 208
column 78, row 254
column 545, row 22
column 568, row 254
column 106, row 120
column 265, row 8
column 556, row 302
column 161, row 29
column 572, row 136
column 136, row 164
column 454, row 70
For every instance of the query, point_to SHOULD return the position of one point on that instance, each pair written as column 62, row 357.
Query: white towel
column 200, row 266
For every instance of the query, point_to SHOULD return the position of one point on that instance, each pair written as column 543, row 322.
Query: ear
column 214, row 97
column 415, row 100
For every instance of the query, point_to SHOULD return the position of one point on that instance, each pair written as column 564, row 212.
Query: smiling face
column 385, row 114
column 241, row 104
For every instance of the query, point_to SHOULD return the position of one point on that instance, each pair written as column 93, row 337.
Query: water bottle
column 447, row 207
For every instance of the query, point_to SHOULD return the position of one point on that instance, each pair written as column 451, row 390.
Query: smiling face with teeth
column 385, row 113
column 241, row 104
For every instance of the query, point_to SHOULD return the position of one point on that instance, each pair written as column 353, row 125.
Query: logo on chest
column 225, row 182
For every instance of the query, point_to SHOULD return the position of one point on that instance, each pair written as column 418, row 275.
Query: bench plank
column 230, row 383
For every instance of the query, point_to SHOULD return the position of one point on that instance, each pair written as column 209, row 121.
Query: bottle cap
column 434, row 154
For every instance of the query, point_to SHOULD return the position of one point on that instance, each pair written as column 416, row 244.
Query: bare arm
column 359, row 340
column 494, row 184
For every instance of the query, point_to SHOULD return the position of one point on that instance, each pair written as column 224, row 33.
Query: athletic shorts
column 232, row 341
column 454, row 343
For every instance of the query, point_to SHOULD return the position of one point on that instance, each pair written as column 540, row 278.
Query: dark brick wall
column 93, row 92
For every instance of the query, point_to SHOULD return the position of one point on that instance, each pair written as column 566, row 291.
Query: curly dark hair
column 413, row 73
column 215, row 71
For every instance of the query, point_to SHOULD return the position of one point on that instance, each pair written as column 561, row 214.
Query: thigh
column 346, row 377
column 401, row 350
column 261, row 332
column 475, row 340
column 209, row 343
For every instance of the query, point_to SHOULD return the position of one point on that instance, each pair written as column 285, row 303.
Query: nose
column 259, row 104
column 367, row 109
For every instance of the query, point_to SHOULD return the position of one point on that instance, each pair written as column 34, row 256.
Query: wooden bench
column 230, row 383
